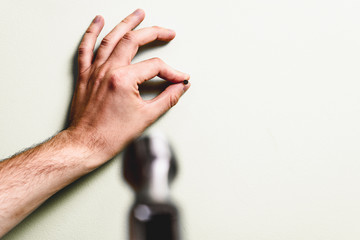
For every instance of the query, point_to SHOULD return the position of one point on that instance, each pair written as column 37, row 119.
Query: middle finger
column 111, row 40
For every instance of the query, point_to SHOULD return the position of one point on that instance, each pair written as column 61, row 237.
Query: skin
column 106, row 113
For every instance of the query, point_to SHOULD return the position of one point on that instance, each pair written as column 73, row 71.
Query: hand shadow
column 147, row 89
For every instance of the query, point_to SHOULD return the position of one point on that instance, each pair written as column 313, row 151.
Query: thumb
column 167, row 99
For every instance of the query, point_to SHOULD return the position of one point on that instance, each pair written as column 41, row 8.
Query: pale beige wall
column 268, row 136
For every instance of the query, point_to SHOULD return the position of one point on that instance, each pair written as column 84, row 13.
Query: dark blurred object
column 154, row 221
column 149, row 167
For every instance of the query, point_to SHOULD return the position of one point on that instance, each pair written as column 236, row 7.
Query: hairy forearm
column 28, row 179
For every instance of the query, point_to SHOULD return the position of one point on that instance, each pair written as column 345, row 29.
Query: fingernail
column 137, row 11
column 96, row 19
column 172, row 30
column 186, row 86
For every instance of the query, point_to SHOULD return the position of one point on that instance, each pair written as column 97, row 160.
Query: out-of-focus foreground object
column 149, row 167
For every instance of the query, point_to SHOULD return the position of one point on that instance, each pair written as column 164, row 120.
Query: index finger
column 153, row 67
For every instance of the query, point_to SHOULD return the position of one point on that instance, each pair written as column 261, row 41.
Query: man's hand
column 107, row 110
column 106, row 113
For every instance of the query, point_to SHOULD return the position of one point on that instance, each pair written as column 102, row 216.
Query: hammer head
column 143, row 155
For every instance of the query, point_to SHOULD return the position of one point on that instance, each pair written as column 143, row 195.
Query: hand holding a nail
column 106, row 113
column 107, row 110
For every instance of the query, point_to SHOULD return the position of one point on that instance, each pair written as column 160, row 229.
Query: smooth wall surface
column 268, row 136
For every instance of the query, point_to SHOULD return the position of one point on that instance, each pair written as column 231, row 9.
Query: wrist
column 88, row 145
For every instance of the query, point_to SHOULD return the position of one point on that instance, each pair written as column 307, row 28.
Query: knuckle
column 113, row 77
column 99, row 76
column 129, row 37
column 173, row 100
column 157, row 27
column 97, row 80
column 82, row 50
column 105, row 42
column 169, row 74
column 126, row 20
column 89, row 31
column 116, row 80
column 101, row 72
column 157, row 60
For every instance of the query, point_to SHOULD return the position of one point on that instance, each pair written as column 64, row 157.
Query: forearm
column 28, row 179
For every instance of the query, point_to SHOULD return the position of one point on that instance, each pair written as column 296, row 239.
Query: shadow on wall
column 21, row 230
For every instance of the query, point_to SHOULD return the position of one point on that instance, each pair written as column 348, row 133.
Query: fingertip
column 166, row 34
column 187, row 85
column 140, row 12
column 187, row 76
column 181, row 87
column 172, row 34
column 98, row 19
